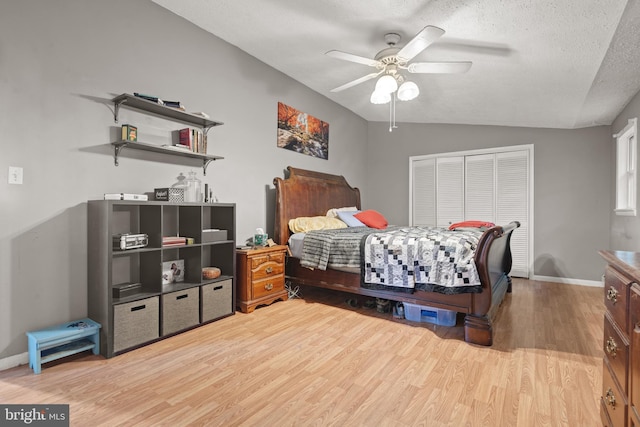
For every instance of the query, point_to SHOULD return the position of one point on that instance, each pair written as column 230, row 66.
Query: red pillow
column 372, row 219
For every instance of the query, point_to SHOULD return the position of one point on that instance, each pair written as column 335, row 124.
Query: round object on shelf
column 211, row 272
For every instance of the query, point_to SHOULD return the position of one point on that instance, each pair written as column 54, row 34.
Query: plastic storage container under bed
column 424, row 313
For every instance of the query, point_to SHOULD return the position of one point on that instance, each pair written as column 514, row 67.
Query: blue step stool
column 62, row 340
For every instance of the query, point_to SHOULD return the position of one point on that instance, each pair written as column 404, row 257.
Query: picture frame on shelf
column 173, row 271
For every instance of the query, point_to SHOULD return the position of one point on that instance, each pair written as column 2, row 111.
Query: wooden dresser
column 260, row 277
column 620, row 401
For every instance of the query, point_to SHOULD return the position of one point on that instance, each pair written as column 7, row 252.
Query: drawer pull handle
column 217, row 288
column 182, row 296
column 269, row 270
column 612, row 295
column 140, row 307
column 268, row 286
column 611, row 347
column 610, row 398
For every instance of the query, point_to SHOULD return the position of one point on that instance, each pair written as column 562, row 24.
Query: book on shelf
column 173, row 241
column 129, row 133
column 177, row 147
column 194, row 139
column 149, row 98
column 174, row 104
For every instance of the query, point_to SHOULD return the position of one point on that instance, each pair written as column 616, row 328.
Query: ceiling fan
column 393, row 59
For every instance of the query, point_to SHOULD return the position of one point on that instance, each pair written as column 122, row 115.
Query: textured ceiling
column 536, row 63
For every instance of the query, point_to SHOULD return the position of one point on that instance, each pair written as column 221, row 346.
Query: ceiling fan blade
column 439, row 67
column 356, row 82
column 420, row 42
column 353, row 58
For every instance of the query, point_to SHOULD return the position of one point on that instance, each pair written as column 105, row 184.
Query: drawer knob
column 268, row 286
column 269, row 270
column 610, row 398
column 611, row 347
column 612, row 295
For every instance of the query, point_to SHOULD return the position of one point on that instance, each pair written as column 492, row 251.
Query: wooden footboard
column 309, row 193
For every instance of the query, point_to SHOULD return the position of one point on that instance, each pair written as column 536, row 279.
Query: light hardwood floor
column 318, row 362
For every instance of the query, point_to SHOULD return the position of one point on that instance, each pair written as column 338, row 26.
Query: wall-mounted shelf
column 141, row 104
column 206, row 158
column 131, row 101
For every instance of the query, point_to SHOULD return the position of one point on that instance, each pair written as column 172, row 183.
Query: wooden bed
column 309, row 193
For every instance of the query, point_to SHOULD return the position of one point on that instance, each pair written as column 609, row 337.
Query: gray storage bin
column 135, row 323
column 180, row 310
column 217, row 300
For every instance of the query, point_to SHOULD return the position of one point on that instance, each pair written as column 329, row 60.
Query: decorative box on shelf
column 213, row 235
column 170, row 194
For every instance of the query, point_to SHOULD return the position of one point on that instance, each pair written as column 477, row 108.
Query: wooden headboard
column 309, row 193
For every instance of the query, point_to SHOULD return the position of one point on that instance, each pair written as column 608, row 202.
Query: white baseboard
column 567, row 281
column 13, row 361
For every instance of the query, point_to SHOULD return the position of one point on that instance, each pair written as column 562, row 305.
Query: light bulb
column 386, row 84
column 408, row 91
column 378, row 97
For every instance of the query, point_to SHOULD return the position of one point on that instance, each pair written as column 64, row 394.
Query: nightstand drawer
column 267, row 269
column 616, row 350
column 616, row 287
column 268, row 286
column 277, row 257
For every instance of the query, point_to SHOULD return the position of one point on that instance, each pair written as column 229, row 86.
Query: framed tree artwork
column 302, row 133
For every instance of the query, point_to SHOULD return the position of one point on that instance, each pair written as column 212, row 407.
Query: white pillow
column 333, row 213
column 348, row 218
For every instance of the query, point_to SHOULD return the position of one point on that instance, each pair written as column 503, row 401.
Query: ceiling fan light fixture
column 386, row 84
column 378, row 97
column 408, row 91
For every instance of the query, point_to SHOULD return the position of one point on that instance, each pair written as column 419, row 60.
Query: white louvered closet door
column 512, row 204
column 423, row 197
column 450, row 190
column 479, row 192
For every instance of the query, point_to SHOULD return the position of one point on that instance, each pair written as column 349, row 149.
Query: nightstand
column 260, row 277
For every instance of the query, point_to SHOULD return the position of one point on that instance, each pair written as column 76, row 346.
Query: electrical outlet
column 15, row 175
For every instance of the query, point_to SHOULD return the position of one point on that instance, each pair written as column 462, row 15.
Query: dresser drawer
column 267, row 269
column 268, row 286
column 634, row 336
column 614, row 399
column 616, row 350
column 616, row 288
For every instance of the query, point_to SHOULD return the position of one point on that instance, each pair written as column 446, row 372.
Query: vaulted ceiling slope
column 536, row 63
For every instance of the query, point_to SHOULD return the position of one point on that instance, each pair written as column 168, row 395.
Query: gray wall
column 60, row 64
column 625, row 230
column 572, row 182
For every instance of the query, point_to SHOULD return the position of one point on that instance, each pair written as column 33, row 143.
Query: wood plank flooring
column 317, row 362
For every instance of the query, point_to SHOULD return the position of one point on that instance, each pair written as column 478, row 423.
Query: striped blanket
column 334, row 248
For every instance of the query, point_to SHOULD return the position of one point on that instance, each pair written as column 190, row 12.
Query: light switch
column 15, row 175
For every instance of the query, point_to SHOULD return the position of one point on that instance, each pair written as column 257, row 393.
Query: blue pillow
column 348, row 218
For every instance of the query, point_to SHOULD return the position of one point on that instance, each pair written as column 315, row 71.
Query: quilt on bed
column 399, row 258
column 428, row 258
